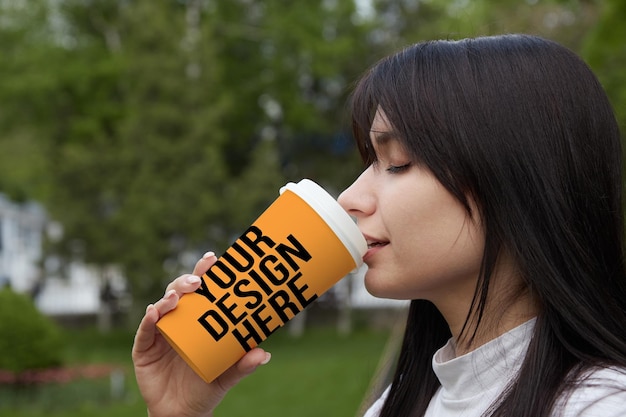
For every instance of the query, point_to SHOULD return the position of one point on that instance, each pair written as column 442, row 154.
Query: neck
column 508, row 304
column 494, row 323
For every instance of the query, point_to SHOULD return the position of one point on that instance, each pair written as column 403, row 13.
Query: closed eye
column 396, row 169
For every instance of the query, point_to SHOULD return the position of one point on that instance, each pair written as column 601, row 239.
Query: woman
column 492, row 199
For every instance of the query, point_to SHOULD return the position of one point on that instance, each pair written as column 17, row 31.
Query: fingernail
column 208, row 255
column 193, row 279
column 268, row 356
column 149, row 307
column 169, row 294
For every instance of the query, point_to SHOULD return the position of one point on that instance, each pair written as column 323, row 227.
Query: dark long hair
column 521, row 126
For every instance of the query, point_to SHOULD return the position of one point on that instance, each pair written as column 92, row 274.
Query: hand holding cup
column 168, row 385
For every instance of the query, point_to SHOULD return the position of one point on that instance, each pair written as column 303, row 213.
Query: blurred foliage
column 605, row 51
column 155, row 129
column 28, row 339
column 319, row 356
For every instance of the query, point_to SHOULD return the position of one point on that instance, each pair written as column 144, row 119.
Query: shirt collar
column 490, row 367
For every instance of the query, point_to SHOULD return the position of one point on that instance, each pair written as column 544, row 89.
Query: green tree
column 300, row 60
column 145, row 168
column 167, row 127
column 24, row 46
column 152, row 129
column 605, row 50
column 132, row 163
column 407, row 21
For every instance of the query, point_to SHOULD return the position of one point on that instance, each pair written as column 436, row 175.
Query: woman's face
column 422, row 244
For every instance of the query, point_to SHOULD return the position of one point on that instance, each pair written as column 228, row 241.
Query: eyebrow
column 384, row 137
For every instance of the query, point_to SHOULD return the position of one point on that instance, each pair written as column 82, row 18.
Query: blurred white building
column 58, row 289
column 21, row 232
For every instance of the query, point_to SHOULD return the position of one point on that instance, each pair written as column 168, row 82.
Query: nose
column 358, row 199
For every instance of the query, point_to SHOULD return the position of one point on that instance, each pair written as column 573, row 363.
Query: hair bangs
column 364, row 105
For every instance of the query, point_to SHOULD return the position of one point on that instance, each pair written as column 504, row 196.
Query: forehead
column 382, row 133
column 380, row 124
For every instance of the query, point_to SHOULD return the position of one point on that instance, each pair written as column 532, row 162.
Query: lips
column 374, row 241
column 374, row 245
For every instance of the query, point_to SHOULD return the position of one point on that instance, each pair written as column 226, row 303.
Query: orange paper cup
column 294, row 252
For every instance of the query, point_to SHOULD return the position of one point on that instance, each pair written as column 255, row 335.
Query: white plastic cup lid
column 333, row 214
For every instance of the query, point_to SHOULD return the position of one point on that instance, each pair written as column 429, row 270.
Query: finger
column 184, row 284
column 207, row 261
column 244, row 367
column 190, row 282
column 144, row 338
column 167, row 303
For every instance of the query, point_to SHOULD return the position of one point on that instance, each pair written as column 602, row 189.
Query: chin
column 379, row 289
column 371, row 286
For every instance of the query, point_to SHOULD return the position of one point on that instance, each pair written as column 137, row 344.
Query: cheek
column 448, row 261
column 434, row 227
column 439, row 251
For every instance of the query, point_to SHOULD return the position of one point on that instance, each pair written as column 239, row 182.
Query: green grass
column 321, row 373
